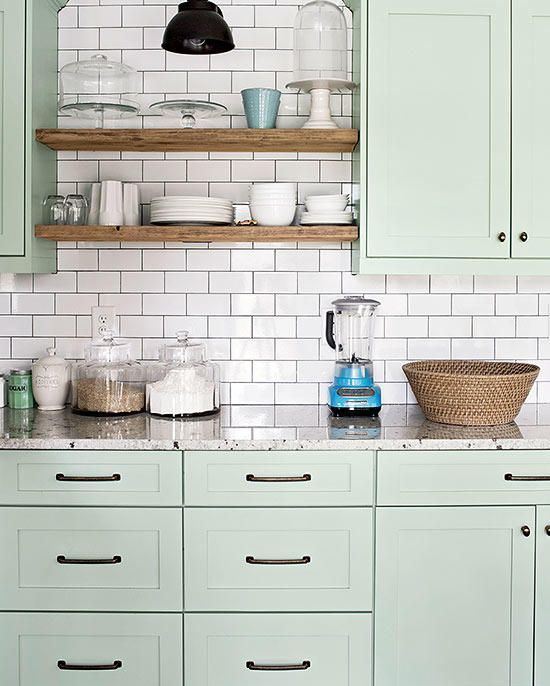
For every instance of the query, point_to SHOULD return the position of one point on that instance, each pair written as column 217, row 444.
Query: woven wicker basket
column 470, row 392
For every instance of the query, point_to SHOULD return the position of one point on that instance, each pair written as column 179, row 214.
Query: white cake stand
column 320, row 90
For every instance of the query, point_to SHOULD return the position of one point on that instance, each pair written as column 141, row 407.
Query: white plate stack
column 183, row 209
column 327, row 209
column 273, row 204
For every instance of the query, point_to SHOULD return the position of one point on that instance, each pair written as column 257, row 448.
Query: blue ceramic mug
column 261, row 106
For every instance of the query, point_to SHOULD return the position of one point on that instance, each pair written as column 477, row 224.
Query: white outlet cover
column 103, row 320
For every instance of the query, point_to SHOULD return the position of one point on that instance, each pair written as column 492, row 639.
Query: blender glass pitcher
column 350, row 329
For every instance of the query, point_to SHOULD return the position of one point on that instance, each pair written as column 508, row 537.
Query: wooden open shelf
column 200, row 140
column 198, row 234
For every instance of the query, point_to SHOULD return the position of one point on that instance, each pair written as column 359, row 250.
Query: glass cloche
column 189, row 384
column 109, row 381
column 321, row 59
column 98, row 89
column 320, row 42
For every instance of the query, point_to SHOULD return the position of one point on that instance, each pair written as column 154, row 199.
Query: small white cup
column 111, row 209
column 131, row 204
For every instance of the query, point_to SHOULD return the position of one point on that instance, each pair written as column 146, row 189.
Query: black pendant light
column 198, row 29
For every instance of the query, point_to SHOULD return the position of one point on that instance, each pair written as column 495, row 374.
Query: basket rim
column 529, row 369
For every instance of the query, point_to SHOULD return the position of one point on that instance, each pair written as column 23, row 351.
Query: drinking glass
column 53, row 210
column 76, row 210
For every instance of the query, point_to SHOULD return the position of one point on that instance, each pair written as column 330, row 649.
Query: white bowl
column 274, row 201
column 273, row 196
column 319, row 204
column 272, row 215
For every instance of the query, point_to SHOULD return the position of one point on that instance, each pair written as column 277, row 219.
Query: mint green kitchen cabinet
column 451, row 173
column 531, row 134
column 542, row 618
column 299, row 559
column 317, row 649
column 454, row 596
column 28, row 100
column 142, row 650
column 438, row 128
column 91, row 477
column 91, row 559
column 283, row 478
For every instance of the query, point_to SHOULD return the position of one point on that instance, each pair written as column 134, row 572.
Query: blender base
column 355, row 412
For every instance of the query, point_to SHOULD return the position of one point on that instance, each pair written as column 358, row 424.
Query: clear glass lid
column 183, row 351
column 99, row 89
column 108, row 350
column 320, row 42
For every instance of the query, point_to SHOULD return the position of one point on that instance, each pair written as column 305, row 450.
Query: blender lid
column 354, row 302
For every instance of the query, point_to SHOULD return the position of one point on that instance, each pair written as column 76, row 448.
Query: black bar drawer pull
column 278, row 479
column 62, row 664
column 251, row 560
column 512, row 477
column 84, row 479
column 115, row 560
column 306, row 664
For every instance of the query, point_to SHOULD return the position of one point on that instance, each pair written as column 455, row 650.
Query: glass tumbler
column 53, row 210
column 76, row 210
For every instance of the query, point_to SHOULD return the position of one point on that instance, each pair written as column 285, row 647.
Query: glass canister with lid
column 189, row 386
column 109, row 382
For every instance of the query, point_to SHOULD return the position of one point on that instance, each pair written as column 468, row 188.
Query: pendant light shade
column 198, row 29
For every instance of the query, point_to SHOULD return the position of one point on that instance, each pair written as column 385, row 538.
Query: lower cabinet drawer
column 463, row 477
column 97, row 559
column 278, row 559
column 99, row 650
column 290, row 650
column 91, row 477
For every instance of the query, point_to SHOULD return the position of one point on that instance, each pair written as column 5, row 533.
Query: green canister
column 20, row 396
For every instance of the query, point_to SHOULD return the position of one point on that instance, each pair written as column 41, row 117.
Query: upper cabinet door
column 454, row 596
column 530, row 129
column 12, row 127
column 439, row 128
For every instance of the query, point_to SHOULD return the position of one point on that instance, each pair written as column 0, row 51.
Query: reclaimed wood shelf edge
column 198, row 234
column 200, row 140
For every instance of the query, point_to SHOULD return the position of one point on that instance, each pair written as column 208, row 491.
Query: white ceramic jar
column 51, row 381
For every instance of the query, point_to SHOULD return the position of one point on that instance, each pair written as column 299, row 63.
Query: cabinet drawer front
column 90, row 559
column 88, row 477
column 323, row 650
column 278, row 559
column 279, row 478
column 455, row 477
column 38, row 648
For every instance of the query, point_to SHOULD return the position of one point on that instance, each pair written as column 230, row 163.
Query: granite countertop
column 267, row 427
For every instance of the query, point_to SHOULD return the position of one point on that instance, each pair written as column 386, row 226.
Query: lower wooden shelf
column 198, row 234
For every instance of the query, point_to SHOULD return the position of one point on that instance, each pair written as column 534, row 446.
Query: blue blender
column 349, row 330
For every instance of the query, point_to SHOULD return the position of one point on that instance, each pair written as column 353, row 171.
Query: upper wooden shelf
column 199, row 234
column 200, row 140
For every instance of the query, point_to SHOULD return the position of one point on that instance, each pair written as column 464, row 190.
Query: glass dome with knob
column 188, row 384
column 98, row 89
column 321, row 58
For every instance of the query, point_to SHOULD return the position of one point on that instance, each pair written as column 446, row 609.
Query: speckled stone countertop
column 267, row 427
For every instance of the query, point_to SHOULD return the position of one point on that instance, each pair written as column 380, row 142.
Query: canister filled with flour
column 188, row 383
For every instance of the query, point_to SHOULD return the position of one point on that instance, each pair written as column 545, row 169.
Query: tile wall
column 260, row 307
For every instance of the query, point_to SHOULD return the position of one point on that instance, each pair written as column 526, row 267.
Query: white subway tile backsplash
column 259, row 307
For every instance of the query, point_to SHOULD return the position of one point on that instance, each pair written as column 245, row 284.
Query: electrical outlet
column 103, row 320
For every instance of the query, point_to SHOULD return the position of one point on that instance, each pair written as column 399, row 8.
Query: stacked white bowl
column 273, row 204
column 327, row 209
